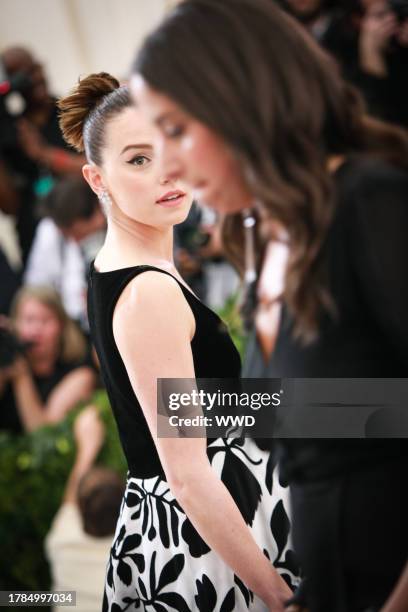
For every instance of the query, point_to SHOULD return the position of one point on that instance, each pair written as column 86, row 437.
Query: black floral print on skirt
column 158, row 561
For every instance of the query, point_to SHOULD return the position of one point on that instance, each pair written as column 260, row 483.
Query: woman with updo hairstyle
column 254, row 116
column 49, row 374
column 201, row 525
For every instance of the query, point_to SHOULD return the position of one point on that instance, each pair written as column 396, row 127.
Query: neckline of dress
column 127, row 268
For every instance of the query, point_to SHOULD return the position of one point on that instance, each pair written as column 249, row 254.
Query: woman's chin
column 176, row 216
column 225, row 203
column 35, row 352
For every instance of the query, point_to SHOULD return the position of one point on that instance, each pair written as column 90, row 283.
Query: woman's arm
column 153, row 326
column 89, row 434
column 58, row 160
column 376, row 32
column 73, row 388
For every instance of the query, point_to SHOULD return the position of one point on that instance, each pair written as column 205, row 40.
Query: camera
column 10, row 348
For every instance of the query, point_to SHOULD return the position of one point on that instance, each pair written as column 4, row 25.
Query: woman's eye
column 173, row 131
column 139, row 160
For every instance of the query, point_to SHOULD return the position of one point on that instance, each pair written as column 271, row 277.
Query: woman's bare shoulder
column 153, row 296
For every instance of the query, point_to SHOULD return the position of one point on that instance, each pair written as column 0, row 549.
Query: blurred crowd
column 369, row 41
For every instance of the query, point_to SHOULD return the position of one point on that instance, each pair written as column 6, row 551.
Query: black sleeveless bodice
column 214, row 355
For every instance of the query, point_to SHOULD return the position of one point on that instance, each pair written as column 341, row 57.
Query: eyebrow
column 136, row 146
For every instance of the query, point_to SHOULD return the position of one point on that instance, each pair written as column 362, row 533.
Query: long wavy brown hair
column 249, row 72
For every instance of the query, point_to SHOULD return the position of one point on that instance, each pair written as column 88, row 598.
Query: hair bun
column 75, row 108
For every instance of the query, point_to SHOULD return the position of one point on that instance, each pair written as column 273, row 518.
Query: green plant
column 230, row 314
column 33, row 471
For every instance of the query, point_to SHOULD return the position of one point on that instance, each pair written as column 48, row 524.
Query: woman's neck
column 130, row 243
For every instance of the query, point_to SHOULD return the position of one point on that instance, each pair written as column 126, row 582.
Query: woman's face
column 133, row 177
column 377, row 5
column 193, row 153
column 37, row 323
column 304, row 8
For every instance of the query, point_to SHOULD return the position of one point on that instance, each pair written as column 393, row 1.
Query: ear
column 93, row 176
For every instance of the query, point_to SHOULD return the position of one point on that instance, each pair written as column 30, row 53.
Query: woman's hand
column 14, row 372
column 280, row 593
column 19, row 368
column 19, row 365
column 378, row 26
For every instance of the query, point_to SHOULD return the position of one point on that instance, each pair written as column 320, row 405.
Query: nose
column 169, row 174
column 170, row 168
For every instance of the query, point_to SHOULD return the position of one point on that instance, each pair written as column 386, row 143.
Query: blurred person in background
column 318, row 16
column 32, row 150
column 187, row 244
column 369, row 40
column 200, row 258
column 44, row 371
column 314, row 192
column 381, row 51
column 66, row 241
column 78, row 542
column 220, row 278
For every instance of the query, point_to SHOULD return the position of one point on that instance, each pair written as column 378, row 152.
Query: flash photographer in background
column 44, row 370
column 32, row 151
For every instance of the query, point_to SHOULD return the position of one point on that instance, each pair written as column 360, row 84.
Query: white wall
column 75, row 37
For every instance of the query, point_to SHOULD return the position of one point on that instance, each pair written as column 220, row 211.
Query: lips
column 171, row 198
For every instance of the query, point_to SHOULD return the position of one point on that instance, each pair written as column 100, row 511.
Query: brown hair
column 257, row 79
column 70, row 200
column 100, row 494
column 85, row 111
column 73, row 345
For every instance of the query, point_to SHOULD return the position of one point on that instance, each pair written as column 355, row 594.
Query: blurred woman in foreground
column 255, row 118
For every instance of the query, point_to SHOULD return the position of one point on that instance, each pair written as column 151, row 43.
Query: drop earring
column 105, row 200
column 250, row 274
